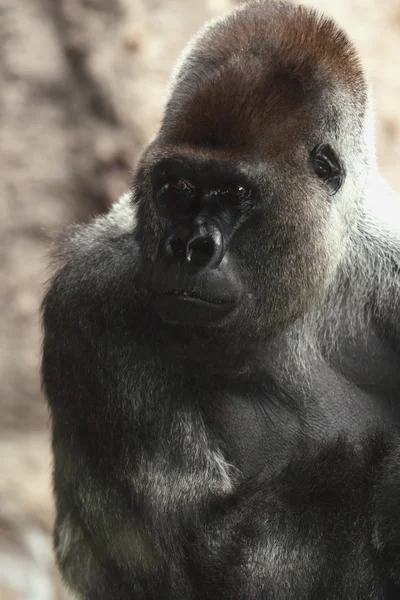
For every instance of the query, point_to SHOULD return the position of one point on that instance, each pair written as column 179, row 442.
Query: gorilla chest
column 261, row 431
column 253, row 435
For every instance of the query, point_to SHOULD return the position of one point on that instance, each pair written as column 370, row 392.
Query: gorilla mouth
column 191, row 308
column 194, row 296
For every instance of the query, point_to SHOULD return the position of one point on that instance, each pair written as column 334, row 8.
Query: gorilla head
column 247, row 196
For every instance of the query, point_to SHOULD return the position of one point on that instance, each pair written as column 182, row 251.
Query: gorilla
column 221, row 350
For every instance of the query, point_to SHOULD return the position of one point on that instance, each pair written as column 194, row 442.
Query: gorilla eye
column 235, row 189
column 327, row 167
column 175, row 184
column 323, row 169
column 239, row 190
column 178, row 184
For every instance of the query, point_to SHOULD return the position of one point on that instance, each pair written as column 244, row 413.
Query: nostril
column 195, row 248
column 200, row 250
column 177, row 248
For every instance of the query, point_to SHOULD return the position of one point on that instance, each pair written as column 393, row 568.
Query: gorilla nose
column 199, row 248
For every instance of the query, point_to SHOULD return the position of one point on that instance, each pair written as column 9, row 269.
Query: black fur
column 223, row 376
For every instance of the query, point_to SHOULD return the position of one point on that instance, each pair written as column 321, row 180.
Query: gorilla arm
column 326, row 527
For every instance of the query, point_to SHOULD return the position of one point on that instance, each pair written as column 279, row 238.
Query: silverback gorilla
column 221, row 351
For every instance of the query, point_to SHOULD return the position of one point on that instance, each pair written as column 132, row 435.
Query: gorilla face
column 235, row 244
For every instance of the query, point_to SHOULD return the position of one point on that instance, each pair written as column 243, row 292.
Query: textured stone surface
column 82, row 88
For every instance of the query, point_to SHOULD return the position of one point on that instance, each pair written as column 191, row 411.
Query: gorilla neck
column 342, row 325
column 228, row 353
column 213, row 350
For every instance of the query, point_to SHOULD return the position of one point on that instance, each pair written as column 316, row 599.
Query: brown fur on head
column 267, row 65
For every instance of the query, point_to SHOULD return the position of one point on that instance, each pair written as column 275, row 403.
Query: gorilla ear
column 327, row 167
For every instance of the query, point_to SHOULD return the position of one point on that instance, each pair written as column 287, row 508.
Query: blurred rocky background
column 81, row 91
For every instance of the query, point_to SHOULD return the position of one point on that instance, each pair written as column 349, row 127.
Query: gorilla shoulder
column 99, row 258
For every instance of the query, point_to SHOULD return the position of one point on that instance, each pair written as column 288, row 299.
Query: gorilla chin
column 195, row 297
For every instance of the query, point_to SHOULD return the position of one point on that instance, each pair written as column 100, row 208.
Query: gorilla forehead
column 268, row 68
column 242, row 109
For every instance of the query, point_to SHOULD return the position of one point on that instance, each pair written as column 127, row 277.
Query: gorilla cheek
column 286, row 286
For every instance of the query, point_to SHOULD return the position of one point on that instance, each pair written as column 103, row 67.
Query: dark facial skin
column 194, row 278
column 209, row 205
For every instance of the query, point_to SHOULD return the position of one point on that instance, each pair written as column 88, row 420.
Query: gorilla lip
column 196, row 297
column 191, row 308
